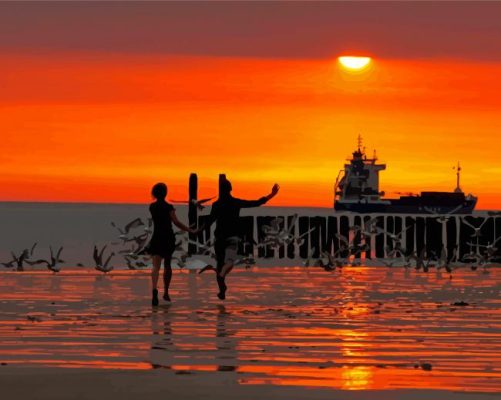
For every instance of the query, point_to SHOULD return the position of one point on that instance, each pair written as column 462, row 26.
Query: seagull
column 129, row 263
column 397, row 250
column 408, row 258
column 368, row 229
column 98, row 260
column 19, row 261
column 124, row 232
column 9, row 264
column 476, row 233
column 434, row 211
column 299, row 240
column 396, row 237
column 420, row 259
column 54, row 260
column 493, row 213
column 442, row 217
column 326, row 262
column 134, row 262
column 490, row 248
column 276, row 235
column 149, row 228
column 197, row 264
column 141, row 242
column 206, row 248
column 429, row 262
column 389, row 263
column 200, row 204
column 307, row 262
column 445, row 261
column 135, row 223
column 25, row 256
column 343, row 239
column 207, row 268
column 479, row 260
column 274, row 228
column 141, row 264
column 248, row 261
column 32, row 250
column 183, row 256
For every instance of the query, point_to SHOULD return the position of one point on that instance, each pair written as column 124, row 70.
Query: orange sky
column 89, row 127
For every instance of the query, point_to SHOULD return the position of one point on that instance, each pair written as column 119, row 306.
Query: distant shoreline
column 9, row 202
column 89, row 203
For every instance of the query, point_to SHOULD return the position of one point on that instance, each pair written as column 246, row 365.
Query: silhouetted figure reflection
column 226, row 212
column 162, row 337
column 225, row 343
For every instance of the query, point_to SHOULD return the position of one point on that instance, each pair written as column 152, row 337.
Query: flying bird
column 19, row 261
column 442, row 217
column 200, row 204
column 52, row 263
column 126, row 230
column 476, row 230
column 436, row 211
column 101, row 265
column 207, row 268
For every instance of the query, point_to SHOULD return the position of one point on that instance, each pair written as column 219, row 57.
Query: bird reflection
column 101, row 286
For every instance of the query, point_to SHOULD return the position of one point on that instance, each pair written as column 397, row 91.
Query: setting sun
column 354, row 63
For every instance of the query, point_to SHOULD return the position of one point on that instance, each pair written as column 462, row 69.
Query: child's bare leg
column 167, row 278
column 227, row 267
column 157, row 262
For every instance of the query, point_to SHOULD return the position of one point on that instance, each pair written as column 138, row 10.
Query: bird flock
column 132, row 238
column 397, row 254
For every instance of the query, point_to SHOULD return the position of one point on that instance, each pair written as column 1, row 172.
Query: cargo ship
column 357, row 190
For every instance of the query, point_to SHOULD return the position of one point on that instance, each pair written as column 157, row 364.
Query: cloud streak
column 257, row 29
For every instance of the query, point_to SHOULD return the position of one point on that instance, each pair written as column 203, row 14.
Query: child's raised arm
column 179, row 224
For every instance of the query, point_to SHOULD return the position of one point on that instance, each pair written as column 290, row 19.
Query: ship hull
column 386, row 209
column 430, row 202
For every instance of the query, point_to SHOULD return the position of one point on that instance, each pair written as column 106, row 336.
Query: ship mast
column 359, row 139
column 458, row 174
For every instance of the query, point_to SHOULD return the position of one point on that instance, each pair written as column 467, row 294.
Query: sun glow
column 354, row 63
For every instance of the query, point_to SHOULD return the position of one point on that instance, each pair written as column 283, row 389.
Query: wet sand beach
column 290, row 332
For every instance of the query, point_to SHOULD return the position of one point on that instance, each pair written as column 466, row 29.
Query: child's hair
column 159, row 191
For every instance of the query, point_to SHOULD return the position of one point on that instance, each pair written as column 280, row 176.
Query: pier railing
column 462, row 234
column 417, row 232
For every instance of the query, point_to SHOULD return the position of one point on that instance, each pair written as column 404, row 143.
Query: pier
column 459, row 234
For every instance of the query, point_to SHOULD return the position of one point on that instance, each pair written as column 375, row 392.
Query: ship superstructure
column 357, row 190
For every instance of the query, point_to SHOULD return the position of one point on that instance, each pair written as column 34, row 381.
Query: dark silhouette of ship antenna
column 359, row 142
column 458, row 175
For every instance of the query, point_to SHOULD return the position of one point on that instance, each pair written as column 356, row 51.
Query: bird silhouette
column 101, row 265
column 200, row 204
column 53, row 262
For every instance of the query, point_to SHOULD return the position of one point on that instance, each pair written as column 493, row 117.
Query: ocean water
column 79, row 226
